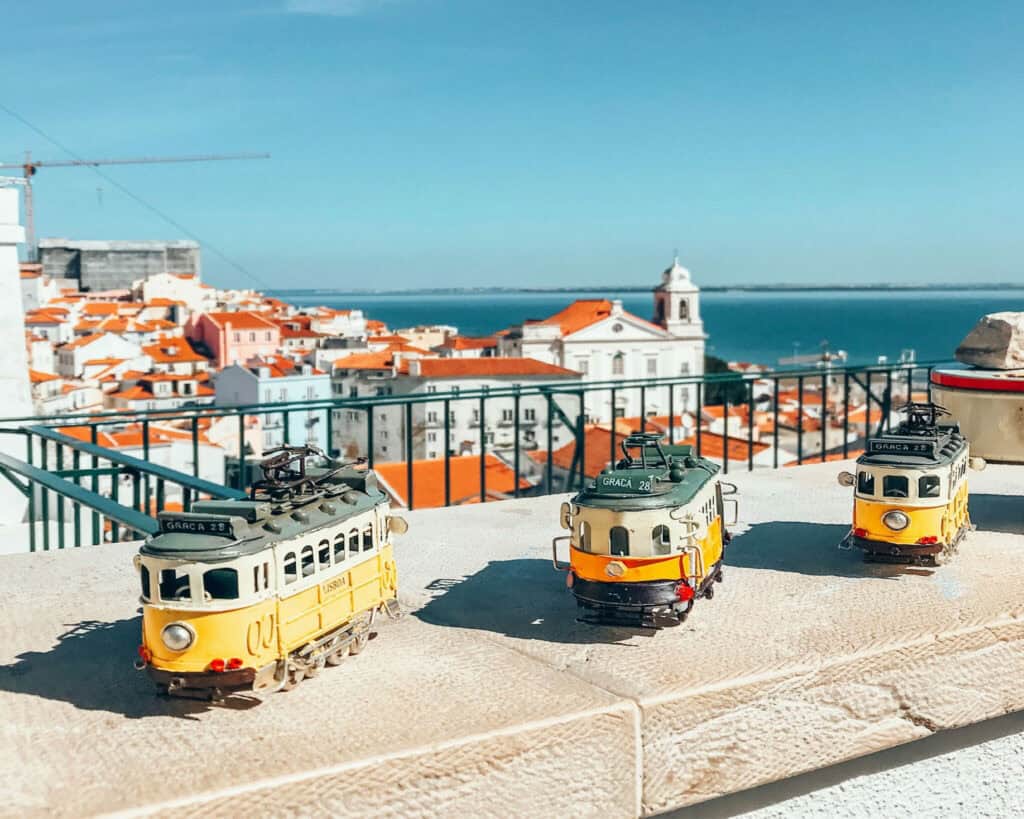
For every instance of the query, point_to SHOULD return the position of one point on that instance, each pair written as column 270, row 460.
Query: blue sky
column 476, row 142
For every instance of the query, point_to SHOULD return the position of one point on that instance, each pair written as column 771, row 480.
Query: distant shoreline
column 739, row 288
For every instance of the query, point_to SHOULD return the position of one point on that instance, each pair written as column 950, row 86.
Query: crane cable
column 139, row 200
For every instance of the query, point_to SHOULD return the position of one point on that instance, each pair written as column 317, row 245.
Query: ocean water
column 743, row 326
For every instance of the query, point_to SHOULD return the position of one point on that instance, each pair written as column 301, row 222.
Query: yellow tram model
column 255, row 595
column 647, row 536
column 910, row 491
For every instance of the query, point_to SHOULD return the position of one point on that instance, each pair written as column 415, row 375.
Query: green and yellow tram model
column 647, row 536
column 910, row 490
column 257, row 594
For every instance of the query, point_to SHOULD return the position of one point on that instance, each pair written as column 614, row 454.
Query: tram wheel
column 295, row 676
column 719, row 575
column 316, row 665
column 359, row 642
column 709, row 592
column 338, row 655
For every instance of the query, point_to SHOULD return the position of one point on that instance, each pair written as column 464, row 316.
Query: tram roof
column 915, row 451
column 638, row 486
column 219, row 530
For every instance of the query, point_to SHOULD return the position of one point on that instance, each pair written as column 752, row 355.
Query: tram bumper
column 639, row 596
column 202, row 683
column 884, row 547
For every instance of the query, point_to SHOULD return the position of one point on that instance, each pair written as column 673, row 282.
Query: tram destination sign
column 896, row 447
column 620, row 484
column 220, row 527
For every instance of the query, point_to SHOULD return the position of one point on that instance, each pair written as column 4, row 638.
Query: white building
column 605, row 343
column 386, row 374
column 36, row 289
column 276, row 379
column 72, row 357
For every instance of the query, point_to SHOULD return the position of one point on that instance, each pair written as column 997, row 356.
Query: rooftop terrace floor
column 489, row 698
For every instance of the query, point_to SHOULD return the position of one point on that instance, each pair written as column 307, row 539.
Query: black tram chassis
column 637, row 597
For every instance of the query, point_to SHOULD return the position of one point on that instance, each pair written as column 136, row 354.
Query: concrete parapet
column 488, row 698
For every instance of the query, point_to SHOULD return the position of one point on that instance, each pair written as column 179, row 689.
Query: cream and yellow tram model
column 910, row 490
column 647, row 536
column 255, row 595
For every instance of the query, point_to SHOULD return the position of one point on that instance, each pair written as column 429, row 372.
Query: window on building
column 431, row 454
column 221, row 584
column 451, row 418
column 432, row 417
column 308, row 561
column 353, row 391
column 353, row 542
column 618, row 364
column 684, row 368
column 266, row 336
column 236, row 336
column 684, row 310
column 583, row 365
column 507, row 415
column 652, row 366
column 476, row 416
column 383, row 434
column 454, row 390
column 310, row 392
column 618, row 540
column 895, row 486
column 929, row 486
column 865, row 483
column 380, row 391
column 661, row 540
column 252, row 337
column 529, row 414
column 431, row 437
column 266, row 397
column 431, row 388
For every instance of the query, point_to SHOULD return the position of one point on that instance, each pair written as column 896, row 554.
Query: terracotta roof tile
column 464, row 480
column 486, row 367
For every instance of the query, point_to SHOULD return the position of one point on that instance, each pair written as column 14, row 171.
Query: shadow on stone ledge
column 523, row 598
column 90, row 667
column 804, row 548
column 997, row 513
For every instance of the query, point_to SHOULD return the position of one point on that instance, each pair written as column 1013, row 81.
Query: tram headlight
column 896, row 520
column 177, row 636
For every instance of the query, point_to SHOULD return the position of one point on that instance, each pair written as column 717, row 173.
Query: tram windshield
column 929, row 486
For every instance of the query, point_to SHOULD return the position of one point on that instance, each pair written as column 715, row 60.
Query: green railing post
column 447, row 453
column 369, row 436
column 195, row 444
column 95, row 486
column 31, row 497
column 241, row 451
column 76, row 508
column 516, row 445
column 549, row 480
column 775, row 425
column 800, row 420
column 408, row 457
column 44, row 461
column 483, row 451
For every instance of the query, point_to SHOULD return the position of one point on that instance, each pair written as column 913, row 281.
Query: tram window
column 339, row 547
column 928, row 486
column 221, row 584
column 144, row 578
column 255, row 578
column 661, row 540
column 865, row 483
column 586, row 542
column 291, row 568
column 618, row 540
column 367, row 538
column 308, row 562
column 353, row 542
column 895, row 486
column 174, row 584
column 266, row 575
column 325, row 554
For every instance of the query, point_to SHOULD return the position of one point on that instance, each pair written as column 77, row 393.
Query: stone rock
column 995, row 343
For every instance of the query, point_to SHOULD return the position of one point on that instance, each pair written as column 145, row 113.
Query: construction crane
column 29, row 166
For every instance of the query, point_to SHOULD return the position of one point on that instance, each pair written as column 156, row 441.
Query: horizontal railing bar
column 573, row 387
column 109, row 509
column 144, row 467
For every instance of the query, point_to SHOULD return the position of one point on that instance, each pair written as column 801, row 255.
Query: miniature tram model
column 910, row 490
column 647, row 536
column 257, row 594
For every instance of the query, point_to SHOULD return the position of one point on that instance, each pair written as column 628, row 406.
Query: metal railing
column 553, row 410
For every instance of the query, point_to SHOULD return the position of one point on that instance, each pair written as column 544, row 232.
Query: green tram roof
column 915, row 449
column 663, row 477
column 218, row 530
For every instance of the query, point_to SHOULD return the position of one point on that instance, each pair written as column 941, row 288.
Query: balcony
column 805, row 659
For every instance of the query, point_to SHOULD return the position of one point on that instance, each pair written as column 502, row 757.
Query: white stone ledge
column 488, row 698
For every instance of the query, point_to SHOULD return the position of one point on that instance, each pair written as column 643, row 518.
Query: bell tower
column 677, row 303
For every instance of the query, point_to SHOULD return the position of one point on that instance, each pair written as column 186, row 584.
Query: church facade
column 607, row 344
